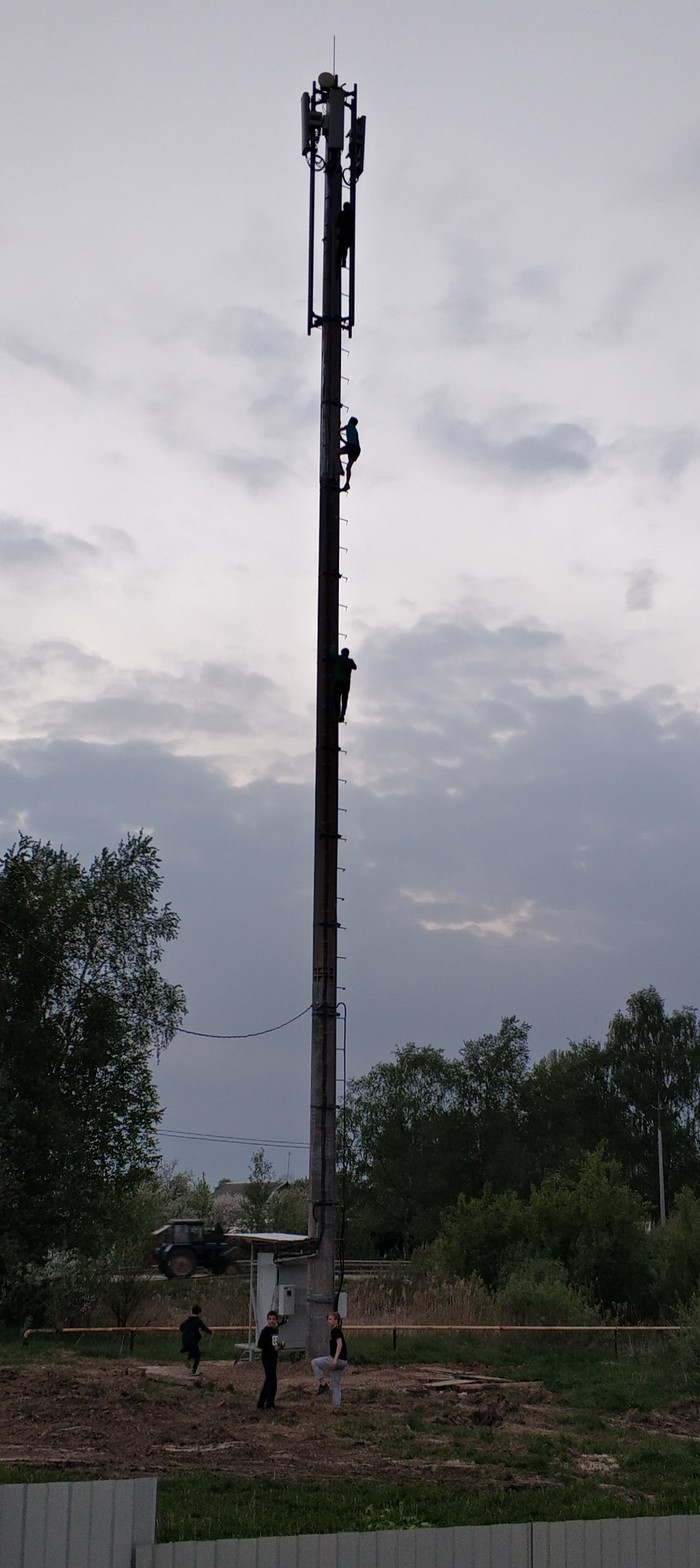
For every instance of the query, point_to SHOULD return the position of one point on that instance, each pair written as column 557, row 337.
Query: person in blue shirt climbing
column 350, row 448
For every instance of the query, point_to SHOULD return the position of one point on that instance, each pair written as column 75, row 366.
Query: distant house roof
column 231, row 1189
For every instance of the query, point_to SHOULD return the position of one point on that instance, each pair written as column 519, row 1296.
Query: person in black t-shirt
column 192, row 1330
column 332, row 1366
column 269, row 1345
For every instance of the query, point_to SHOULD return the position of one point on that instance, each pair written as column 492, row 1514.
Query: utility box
column 286, row 1300
column 277, row 1284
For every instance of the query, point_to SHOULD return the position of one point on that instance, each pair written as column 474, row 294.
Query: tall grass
column 399, row 1298
column 223, row 1301
column 536, row 1293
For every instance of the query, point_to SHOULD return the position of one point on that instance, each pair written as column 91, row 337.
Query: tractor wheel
column 180, row 1263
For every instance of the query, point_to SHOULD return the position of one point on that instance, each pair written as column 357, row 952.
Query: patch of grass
column 579, row 1369
column 25, row 1475
column 516, row 1472
column 670, row 1466
column 159, row 1348
column 200, row 1507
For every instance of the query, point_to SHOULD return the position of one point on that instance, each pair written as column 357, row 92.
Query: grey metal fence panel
column 672, row 1542
column 289, row 1555
column 80, row 1508
column 485, row 1546
column 75, row 1524
column 268, row 1552
column 308, row 1547
column 246, row 1556
column 12, row 1507
column 327, row 1550
column 347, row 1550
column 57, row 1527
column 34, row 1532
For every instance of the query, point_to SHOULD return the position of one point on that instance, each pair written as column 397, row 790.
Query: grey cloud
column 512, row 844
column 117, row 540
column 468, row 316
column 176, row 417
column 219, row 700
column 678, row 176
column 542, row 840
column 59, row 366
column 480, row 307
column 679, row 449
column 31, row 548
column 258, row 474
column 539, row 283
column 621, row 310
column 255, row 334
column 515, row 447
column 640, row 588
column 665, row 455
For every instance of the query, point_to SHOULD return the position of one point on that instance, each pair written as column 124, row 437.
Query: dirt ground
column 130, row 1419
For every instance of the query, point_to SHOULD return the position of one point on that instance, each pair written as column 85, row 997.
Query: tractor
column 183, row 1246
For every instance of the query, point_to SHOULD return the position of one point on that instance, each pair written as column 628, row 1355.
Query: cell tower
column 333, row 144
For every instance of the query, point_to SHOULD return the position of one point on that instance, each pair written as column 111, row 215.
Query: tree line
column 488, row 1163
column 83, row 1008
column 482, row 1164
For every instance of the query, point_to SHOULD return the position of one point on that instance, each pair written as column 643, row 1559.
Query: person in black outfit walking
column 269, row 1345
column 191, row 1331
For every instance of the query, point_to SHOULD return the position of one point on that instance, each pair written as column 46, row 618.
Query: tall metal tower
column 329, row 121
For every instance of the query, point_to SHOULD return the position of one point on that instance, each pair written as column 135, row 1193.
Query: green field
column 631, row 1420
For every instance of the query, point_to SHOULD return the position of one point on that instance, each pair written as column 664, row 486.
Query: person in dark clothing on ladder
column 191, row 1330
column 346, row 227
column 269, row 1345
column 350, row 448
column 343, row 667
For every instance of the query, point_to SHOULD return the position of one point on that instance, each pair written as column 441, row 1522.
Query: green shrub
column 675, row 1254
column 539, row 1291
column 485, row 1236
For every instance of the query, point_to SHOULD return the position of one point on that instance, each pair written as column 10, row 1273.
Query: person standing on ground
column 333, row 1365
column 269, row 1345
column 191, row 1330
column 350, row 448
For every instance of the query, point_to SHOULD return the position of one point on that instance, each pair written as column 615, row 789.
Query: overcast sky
column 523, row 530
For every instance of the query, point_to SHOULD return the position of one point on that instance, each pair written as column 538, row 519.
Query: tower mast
column 324, row 116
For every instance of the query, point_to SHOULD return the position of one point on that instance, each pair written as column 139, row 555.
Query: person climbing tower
column 343, row 667
column 350, row 448
column 346, row 231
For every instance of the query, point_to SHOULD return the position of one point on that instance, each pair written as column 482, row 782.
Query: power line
column 220, row 1137
column 254, row 1033
column 199, row 1034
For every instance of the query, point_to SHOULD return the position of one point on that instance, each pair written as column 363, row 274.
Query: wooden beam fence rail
column 407, row 1329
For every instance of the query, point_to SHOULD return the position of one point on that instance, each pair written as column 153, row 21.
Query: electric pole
column 325, row 113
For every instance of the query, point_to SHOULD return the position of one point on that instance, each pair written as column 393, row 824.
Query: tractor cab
column 182, row 1247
